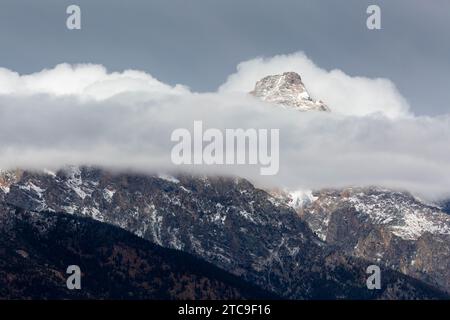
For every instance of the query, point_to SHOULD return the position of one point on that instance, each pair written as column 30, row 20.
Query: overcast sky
column 198, row 43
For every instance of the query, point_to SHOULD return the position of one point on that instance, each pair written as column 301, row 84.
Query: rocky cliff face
column 287, row 90
column 225, row 221
column 387, row 227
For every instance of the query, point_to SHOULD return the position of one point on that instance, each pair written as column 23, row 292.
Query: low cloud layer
column 85, row 115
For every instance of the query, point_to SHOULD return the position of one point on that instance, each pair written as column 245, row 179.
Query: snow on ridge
column 296, row 199
column 50, row 173
column 168, row 178
column 405, row 215
column 30, row 186
column 108, row 194
column 300, row 198
column 75, row 182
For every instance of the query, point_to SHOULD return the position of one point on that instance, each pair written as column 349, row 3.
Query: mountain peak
column 287, row 90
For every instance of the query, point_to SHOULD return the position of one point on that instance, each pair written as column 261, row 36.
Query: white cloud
column 84, row 80
column 343, row 93
column 84, row 115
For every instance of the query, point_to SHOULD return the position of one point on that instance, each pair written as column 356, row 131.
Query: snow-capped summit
column 287, row 90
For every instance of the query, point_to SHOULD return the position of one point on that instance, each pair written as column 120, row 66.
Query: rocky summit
column 287, row 90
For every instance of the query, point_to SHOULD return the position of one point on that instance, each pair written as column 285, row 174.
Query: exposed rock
column 385, row 226
column 225, row 221
column 287, row 90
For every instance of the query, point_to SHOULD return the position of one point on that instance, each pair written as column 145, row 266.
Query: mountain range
column 254, row 242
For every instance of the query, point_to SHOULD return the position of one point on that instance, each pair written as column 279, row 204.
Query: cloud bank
column 86, row 81
column 85, row 115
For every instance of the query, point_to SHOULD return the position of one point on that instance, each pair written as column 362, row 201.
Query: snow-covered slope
column 403, row 214
column 387, row 227
column 225, row 221
column 287, row 90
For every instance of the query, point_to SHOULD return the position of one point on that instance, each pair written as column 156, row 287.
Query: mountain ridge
column 38, row 247
column 225, row 221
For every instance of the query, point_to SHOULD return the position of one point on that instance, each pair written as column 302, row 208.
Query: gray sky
column 199, row 42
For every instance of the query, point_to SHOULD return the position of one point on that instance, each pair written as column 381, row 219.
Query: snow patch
column 108, row 194
column 299, row 198
column 168, row 178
